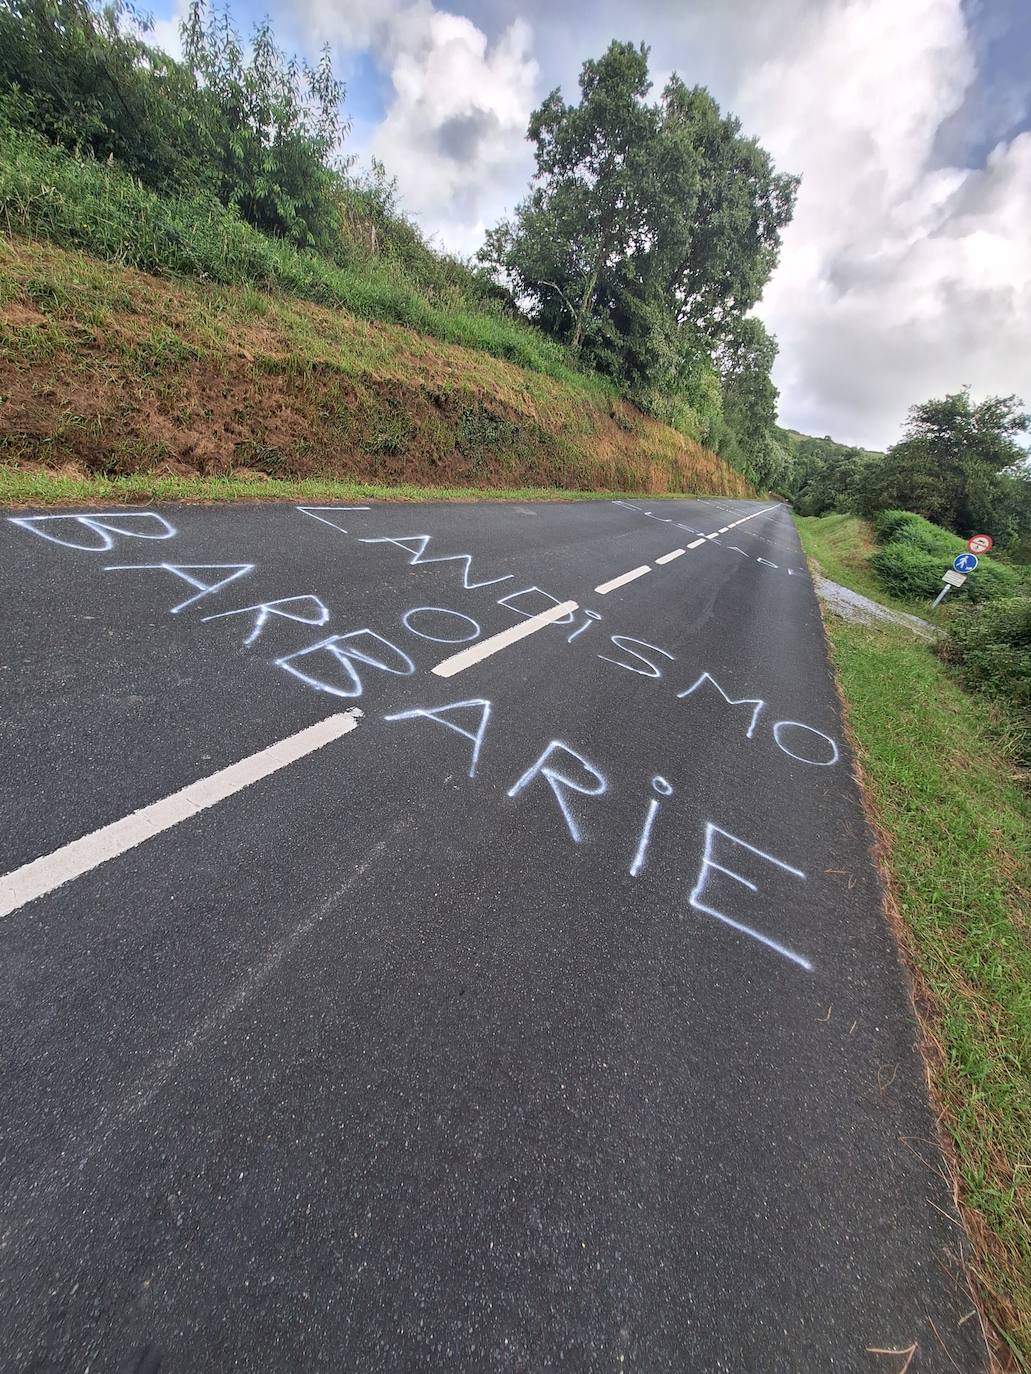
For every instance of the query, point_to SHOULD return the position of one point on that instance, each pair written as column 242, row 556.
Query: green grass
column 28, row 487
column 914, row 552
column 77, row 202
column 843, row 546
column 105, row 370
column 943, row 786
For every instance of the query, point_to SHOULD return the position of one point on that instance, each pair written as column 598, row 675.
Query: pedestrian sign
column 965, row 562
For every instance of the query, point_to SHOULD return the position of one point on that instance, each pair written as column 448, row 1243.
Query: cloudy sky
column 907, row 270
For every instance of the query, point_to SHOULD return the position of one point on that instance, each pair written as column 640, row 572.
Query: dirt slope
column 107, row 370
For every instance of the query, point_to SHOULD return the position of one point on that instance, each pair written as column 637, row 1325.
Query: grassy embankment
column 184, row 389
column 952, row 810
column 843, row 545
column 245, row 358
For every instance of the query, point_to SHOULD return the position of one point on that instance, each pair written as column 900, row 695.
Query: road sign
column 965, row 562
column 980, row 543
column 954, row 579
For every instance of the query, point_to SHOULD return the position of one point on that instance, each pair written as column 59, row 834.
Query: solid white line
column 622, row 580
column 669, row 557
column 697, row 543
column 467, row 657
column 42, row 875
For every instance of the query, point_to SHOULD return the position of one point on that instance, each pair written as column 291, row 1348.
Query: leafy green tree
column 257, row 130
column 85, row 78
column 271, row 129
column 956, row 465
column 587, row 218
column 651, row 225
column 828, row 476
column 717, row 264
column 750, row 403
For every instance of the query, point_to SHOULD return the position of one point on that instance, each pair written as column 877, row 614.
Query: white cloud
column 899, row 279
column 164, row 33
column 455, row 127
column 454, row 135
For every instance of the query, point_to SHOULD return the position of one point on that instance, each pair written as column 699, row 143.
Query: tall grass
column 49, row 193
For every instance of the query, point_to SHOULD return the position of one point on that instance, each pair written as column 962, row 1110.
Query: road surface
column 387, row 990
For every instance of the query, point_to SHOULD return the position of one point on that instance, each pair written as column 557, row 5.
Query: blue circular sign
column 965, row 562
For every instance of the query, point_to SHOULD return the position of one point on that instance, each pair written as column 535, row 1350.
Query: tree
column 741, row 208
column 271, row 130
column 955, row 465
column 828, row 476
column 258, row 131
column 587, row 218
column 750, row 402
column 85, row 78
column 650, row 226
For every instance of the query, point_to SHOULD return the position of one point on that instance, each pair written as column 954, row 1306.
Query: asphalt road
column 559, row 1031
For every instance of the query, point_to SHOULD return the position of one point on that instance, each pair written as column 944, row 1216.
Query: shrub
column 887, row 523
column 912, row 549
column 908, row 573
column 990, row 647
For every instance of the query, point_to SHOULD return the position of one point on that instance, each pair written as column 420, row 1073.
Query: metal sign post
column 962, row 564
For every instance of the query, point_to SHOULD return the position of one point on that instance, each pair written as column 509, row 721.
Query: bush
column 888, row 523
column 914, row 553
column 991, row 650
column 908, row 573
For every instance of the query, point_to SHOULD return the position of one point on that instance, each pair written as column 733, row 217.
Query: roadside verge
column 947, row 801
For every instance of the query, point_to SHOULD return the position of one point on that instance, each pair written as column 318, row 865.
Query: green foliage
column 85, row 79
column 652, row 229
column 960, row 466
column 258, row 133
column 267, row 129
column 939, row 770
column 907, row 572
column 750, row 404
column 991, row 648
column 81, row 203
column 825, row 476
column 915, row 553
column 888, row 523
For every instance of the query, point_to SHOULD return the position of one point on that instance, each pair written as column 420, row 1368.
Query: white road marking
column 467, row 657
column 622, row 579
column 43, row 875
column 457, row 663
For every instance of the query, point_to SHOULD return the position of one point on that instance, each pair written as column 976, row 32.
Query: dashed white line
column 622, row 579
column 634, row 573
column 465, row 658
column 43, row 875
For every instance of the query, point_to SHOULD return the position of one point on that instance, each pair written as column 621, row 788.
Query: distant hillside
column 792, row 438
